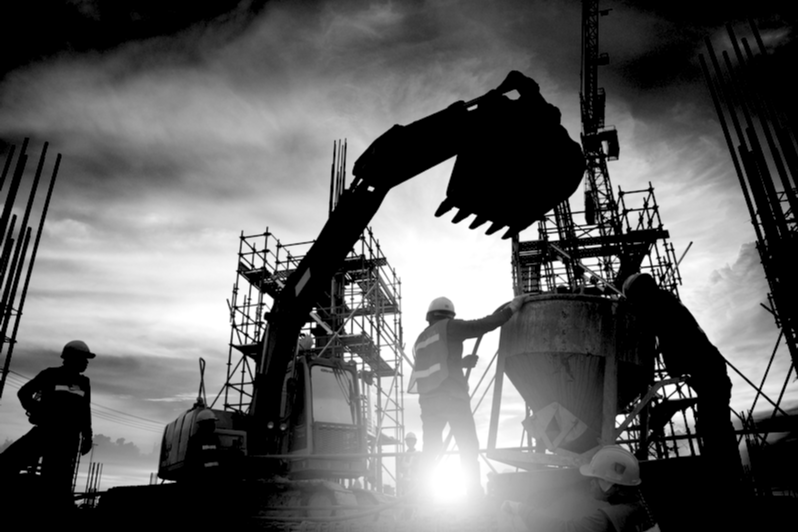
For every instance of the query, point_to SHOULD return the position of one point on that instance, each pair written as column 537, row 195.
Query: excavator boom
column 515, row 162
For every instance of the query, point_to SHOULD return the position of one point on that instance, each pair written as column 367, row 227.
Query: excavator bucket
column 516, row 162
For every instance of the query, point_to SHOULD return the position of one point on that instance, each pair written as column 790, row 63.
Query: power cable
column 103, row 412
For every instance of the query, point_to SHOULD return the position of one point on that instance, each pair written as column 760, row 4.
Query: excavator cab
column 322, row 414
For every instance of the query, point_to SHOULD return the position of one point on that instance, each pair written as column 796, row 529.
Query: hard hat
column 206, row 415
column 78, row 349
column 613, row 464
column 411, row 436
column 638, row 283
column 442, row 305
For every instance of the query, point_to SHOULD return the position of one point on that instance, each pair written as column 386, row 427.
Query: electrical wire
column 17, row 380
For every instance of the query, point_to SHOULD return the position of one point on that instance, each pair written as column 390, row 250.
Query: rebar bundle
column 16, row 243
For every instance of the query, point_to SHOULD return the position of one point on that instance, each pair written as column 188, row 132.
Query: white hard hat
column 206, row 415
column 442, row 305
column 76, row 348
column 411, row 436
column 613, row 464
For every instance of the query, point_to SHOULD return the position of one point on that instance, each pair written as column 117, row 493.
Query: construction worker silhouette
column 439, row 379
column 57, row 402
column 688, row 352
column 407, row 465
column 203, row 453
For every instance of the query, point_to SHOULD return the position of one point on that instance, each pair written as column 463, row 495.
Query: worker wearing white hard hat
column 614, row 476
column 57, row 402
column 407, row 465
column 439, row 379
column 203, row 451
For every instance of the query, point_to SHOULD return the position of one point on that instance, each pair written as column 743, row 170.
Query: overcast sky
column 180, row 128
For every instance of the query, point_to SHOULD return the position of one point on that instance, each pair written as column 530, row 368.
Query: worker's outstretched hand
column 469, row 361
column 517, row 303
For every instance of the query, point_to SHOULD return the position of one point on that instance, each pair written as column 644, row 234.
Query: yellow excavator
column 514, row 163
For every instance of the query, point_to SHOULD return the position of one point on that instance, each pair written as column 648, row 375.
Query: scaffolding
column 358, row 320
column 622, row 234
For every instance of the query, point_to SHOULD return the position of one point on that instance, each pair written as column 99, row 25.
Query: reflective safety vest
column 430, row 359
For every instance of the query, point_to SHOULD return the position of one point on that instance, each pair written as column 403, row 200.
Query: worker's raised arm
column 463, row 329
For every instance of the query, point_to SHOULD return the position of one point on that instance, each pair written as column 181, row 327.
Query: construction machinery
column 304, row 429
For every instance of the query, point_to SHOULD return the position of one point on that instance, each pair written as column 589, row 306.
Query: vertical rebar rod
column 19, row 170
column 7, row 166
column 14, row 270
column 333, row 179
column 23, row 225
column 731, row 148
column 784, row 133
column 9, row 295
column 741, row 89
column 777, row 158
column 6, row 254
column 757, row 192
column 32, row 261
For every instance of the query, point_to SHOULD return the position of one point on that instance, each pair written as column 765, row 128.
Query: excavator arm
column 501, row 175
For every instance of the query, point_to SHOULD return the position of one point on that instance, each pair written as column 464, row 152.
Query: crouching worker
column 614, row 477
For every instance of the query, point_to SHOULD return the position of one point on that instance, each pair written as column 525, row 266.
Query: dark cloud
column 654, row 49
column 42, row 28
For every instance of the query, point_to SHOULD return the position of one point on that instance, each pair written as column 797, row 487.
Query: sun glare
column 447, row 481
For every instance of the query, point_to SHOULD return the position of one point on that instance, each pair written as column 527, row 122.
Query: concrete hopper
column 577, row 361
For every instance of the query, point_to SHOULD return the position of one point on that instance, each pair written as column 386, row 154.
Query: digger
column 514, row 163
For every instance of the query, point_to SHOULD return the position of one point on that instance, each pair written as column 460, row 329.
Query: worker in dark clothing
column 614, row 474
column 57, row 402
column 203, row 452
column 687, row 351
column 439, row 379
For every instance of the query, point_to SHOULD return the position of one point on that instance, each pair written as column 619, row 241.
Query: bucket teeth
column 460, row 215
column 477, row 222
column 511, row 232
column 495, row 227
column 445, row 206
